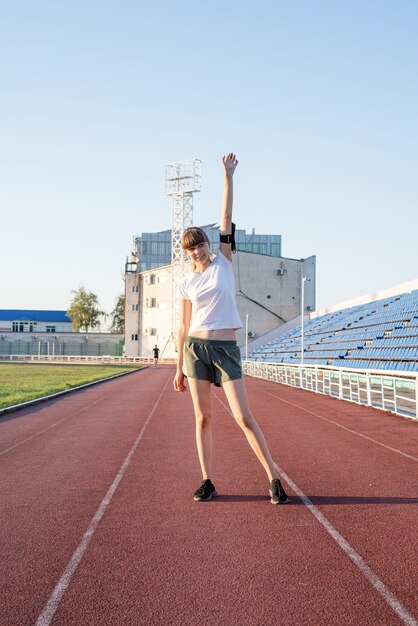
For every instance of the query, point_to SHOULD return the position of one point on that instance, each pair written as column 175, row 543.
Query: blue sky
column 317, row 99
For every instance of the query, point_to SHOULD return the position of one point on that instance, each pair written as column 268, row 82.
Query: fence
column 64, row 346
column 92, row 360
column 389, row 391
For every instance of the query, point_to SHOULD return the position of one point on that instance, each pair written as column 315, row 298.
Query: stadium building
column 268, row 289
column 29, row 321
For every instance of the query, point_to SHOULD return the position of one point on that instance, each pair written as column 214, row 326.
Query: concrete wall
column 133, row 293
column 268, row 298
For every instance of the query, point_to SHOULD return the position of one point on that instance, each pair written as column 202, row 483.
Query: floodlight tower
column 182, row 180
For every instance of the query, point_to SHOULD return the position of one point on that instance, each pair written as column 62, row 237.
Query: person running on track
column 156, row 352
column 206, row 344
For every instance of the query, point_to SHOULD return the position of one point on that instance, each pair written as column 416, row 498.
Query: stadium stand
column 378, row 335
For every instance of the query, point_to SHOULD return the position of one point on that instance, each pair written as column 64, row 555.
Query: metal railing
column 121, row 360
column 388, row 390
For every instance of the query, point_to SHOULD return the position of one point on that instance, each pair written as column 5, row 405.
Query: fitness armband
column 229, row 238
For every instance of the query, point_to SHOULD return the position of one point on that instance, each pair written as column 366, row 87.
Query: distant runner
column 156, row 352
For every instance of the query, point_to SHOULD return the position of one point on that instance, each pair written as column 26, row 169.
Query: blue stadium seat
column 379, row 335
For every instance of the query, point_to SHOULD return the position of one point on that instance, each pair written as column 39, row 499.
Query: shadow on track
column 237, row 498
column 342, row 500
column 317, row 500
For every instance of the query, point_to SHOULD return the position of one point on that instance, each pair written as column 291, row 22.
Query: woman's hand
column 229, row 162
column 178, row 382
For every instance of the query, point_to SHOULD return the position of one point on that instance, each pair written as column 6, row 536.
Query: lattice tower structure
column 182, row 180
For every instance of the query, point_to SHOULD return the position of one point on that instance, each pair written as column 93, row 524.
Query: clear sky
column 317, row 98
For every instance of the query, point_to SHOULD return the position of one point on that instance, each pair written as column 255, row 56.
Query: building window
column 50, row 329
column 134, row 337
column 135, row 307
column 23, row 327
column 135, row 288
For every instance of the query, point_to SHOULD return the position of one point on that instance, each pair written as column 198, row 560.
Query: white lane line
column 55, row 424
column 85, row 408
column 379, row 443
column 367, row 572
column 377, row 583
column 52, row 604
column 58, row 394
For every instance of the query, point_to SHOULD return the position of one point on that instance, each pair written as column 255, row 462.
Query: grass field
column 22, row 382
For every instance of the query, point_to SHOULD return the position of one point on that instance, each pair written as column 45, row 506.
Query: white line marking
column 51, row 606
column 408, row 456
column 378, row 584
column 85, row 408
column 51, row 396
column 55, row 424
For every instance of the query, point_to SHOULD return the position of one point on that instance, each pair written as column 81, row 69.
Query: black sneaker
column 277, row 493
column 206, row 491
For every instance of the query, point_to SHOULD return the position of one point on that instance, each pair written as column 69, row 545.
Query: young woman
column 207, row 349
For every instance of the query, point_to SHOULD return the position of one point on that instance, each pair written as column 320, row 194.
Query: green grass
column 22, row 382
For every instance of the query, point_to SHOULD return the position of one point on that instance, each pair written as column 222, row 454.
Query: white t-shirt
column 212, row 295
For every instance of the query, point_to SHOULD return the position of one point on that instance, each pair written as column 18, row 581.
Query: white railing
column 387, row 390
column 123, row 360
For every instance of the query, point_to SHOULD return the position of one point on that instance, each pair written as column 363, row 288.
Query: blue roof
column 19, row 315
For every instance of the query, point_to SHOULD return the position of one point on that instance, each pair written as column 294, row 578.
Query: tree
column 84, row 310
column 118, row 316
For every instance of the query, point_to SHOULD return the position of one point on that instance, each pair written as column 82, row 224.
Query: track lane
column 237, row 560
column 20, row 426
column 156, row 555
column 51, row 487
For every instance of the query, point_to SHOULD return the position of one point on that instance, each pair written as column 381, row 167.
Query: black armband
column 229, row 238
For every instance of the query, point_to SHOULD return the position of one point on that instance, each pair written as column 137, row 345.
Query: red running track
column 343, row 551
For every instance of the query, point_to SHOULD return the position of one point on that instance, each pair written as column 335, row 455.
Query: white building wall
column 38, row 327
column 133, row 293
column 270, row 298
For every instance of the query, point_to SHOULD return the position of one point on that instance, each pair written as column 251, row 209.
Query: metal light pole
column 302, row 313
column 246, row 336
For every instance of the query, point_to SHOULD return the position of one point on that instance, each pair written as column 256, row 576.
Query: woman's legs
column 236, row 394
column 200, row 390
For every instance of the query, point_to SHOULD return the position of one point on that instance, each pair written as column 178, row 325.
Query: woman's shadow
column 320, row 500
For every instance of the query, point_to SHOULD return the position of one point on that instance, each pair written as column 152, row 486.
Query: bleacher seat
column 378, row 335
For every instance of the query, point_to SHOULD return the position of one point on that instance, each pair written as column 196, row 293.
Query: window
column 154, row 247
column 135, row 288
column 135, row 307
column 50, row 329
column 134, row 337
column 23, row 327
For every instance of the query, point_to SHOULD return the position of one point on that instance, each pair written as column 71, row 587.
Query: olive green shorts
column 216, row 360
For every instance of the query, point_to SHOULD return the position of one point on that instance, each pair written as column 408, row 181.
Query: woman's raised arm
column 229, row 162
